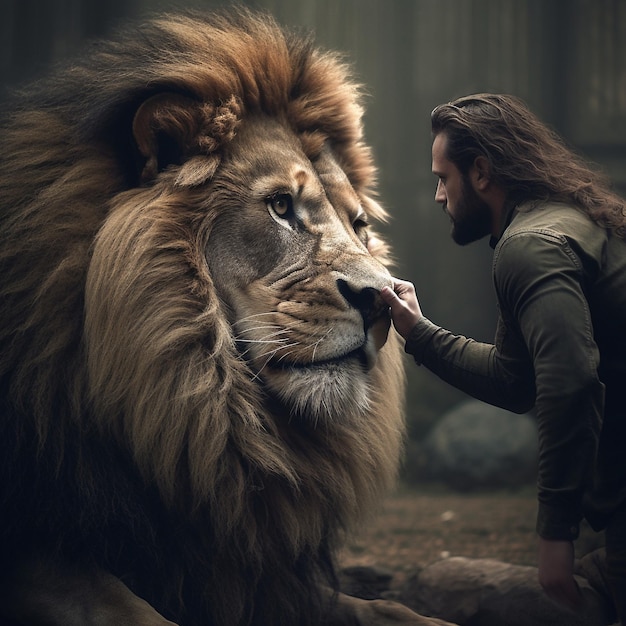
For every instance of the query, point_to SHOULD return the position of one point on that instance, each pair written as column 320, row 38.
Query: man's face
column 469, row 214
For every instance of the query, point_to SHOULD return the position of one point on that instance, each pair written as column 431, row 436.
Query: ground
column 417, row 527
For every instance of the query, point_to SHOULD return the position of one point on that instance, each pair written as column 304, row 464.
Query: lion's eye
column 281, row 204
column 360, row 226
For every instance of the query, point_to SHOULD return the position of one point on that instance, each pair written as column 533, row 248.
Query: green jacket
column 560, row 347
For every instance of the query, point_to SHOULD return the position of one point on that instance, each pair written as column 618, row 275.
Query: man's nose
column 440, row 194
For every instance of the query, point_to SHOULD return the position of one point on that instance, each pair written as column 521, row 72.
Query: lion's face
column 289, row 257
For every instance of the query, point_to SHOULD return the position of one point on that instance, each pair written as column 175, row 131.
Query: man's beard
column 472, row 220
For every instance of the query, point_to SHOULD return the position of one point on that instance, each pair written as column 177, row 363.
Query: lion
column 200, row 394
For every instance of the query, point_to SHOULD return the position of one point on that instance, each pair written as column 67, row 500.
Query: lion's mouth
column 364, row 356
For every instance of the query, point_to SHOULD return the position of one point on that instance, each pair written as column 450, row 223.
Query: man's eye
column 281, row 204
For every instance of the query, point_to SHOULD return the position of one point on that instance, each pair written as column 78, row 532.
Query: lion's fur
column 128, row 417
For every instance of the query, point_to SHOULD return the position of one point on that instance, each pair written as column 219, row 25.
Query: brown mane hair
column 141, row 402
column 527, row 158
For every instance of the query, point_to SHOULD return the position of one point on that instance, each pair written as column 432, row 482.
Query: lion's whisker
column 260, row 327
column 256, row 376
column 317, row 343
column 249, row 318
column 273, row 352
column 270, row 354
column 286, row 354
column 263, row 340
column 252, row 316
column 280, row 330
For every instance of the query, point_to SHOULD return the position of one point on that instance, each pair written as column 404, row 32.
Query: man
column 559, row 272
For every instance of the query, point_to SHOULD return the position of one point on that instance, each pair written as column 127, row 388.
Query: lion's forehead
column 278, row 161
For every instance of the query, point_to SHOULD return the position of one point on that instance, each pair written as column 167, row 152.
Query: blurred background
column 566, row 58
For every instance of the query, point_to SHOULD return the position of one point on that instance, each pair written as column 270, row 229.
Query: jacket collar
column 509, row 211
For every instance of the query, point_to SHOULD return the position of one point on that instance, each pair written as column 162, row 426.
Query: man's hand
column 556, row 573
column 405, row 308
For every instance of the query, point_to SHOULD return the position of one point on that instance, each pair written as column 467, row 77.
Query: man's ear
column 480, row 173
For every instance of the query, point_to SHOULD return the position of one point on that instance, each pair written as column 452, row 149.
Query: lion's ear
column 173, row 129
column 164, row 127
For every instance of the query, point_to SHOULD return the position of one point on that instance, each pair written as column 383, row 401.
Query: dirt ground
column 417, row 527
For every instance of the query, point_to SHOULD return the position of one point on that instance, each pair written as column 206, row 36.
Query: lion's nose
column 367, row 300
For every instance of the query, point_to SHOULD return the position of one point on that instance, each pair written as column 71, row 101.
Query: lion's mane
column 132, row 434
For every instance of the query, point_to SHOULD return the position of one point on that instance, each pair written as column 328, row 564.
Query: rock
column 592, row 567
column 487, row 592
column 477, row 446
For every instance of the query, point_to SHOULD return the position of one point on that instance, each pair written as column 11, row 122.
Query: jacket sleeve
column 540, row 281
column 481, row 370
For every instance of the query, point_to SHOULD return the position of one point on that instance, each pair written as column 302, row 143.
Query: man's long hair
column 528, row 159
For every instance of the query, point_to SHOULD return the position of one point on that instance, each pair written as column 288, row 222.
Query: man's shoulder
column 552, row 220
column 549, row 237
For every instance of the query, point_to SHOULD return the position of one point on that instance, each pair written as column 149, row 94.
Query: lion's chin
column 326, row 392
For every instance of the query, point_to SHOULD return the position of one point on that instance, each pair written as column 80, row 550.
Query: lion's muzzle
column 373, row 310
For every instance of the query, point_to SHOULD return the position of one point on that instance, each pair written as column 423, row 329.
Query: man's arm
column 556, row 572
column 479, row 369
